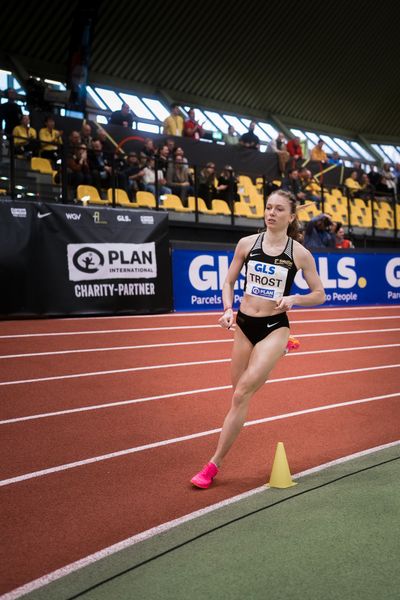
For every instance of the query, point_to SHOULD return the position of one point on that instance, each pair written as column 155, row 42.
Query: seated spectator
column 309, row 186
column 340, row 241
column 107, row 144
column 389, row 178
column 335, row 159
column 396, row 173
column 382, row 189
column 319, row 233
column 173, row 125
column 295, row 151
column 231, row 138
column 178, row 179
column 163, row 159
column 206, row 185
column 133, row 174
column 10, row 112
column 149, row 149
column 374, row 176
column 227, row 186
column 279, row 147
column 122, row 117
column 149, row 179
column 180, row 152
column 191, row 127
column 51, row 140
column 291, row 183
column 367, row 189
column 100, row 166
column 250, row 139
column 352, row 183
column 74, row 141
column 318, row 154
column 78, row 167
column 25, row 137
column 170, row 143
column 86, row 135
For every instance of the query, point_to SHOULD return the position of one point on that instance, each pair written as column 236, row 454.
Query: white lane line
column 185, row 438
column 154, row 531
column 183, row 327
column 175, row 365
column 172, row 344
column 187, row 393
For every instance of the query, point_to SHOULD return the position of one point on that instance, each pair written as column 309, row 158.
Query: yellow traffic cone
column 280, row 474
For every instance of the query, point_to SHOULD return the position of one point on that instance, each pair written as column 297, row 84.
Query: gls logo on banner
column 111, row 261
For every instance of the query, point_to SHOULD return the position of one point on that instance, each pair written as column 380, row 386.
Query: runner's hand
column 285, row 303
column 226, row 320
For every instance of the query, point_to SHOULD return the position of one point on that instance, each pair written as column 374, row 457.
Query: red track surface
column 51, row 520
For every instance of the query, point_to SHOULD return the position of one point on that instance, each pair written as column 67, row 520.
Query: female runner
column 271, row 260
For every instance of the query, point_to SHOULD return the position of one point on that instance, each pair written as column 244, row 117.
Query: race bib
column 265, row 280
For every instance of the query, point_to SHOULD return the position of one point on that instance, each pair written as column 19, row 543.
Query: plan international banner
column 65, row 260
column 350, row 278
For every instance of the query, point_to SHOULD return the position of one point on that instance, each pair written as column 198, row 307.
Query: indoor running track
column 104, row 421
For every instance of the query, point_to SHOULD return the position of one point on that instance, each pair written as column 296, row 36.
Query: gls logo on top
column 111, row 261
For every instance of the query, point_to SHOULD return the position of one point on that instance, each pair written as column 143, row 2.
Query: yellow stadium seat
column 121, row 198
column 145, row 200
column 43, row 165
column 220, row 207
column 88, row 194
column 243, row 209
column 172, row 202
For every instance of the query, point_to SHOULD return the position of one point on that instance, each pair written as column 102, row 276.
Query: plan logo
column 111, row 261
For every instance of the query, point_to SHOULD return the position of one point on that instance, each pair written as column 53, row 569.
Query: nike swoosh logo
column 253, row 253
column 272, row 324
column 42, row 215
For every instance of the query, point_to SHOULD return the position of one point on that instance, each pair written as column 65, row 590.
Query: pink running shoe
column 205, row 477
column 292, row 344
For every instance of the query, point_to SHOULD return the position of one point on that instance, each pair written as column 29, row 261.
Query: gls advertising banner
column 61, row 260
column 349, row 279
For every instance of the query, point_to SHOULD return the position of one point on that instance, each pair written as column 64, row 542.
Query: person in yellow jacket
column 318, row 154
column 50, row 139
column 173, row 125
column 24, row 137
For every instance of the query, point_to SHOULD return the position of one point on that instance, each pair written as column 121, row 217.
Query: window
column 391, row 152
column 137, row 106
column 379, row 150
column 148, row 127
column 217, row 120
column 238, row 125
column 111, row 99
column 97, row 100
column 361, row 151
column 269, row 130
column 345, row 147
column 157, row 108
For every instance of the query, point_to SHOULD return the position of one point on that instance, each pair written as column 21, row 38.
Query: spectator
column 191, row 127
column 352, row 182
column 374, row 176
column 295, row 151
column 149, row 179
column 149, row 150
column 396, row 173
column 367, row 189
column 100, row 166
column 133, row 174
column 279, row 147
column 170, row 143
column 107, row 144
column 250, row 139
column 179, row 152
column 163, row 159
column 10, row 112
column 389, row 178
column 227, row 186
column 74, row 141
column 319, row 234
column 122, row 117
column 78, row 167
column 335, row 159
column 51, row 140
column 340, row 241
column 178, row 179
column 173, row 125
column 206, row 187
column 231, row 138
column 291, row 183
column 318, row 154
column 309, row 186
column 25, row 138
column 86, row 135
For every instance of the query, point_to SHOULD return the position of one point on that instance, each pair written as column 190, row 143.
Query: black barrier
column 58, row 260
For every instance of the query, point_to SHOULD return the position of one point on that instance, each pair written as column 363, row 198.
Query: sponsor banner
column 63, row 260
column 349, row 279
